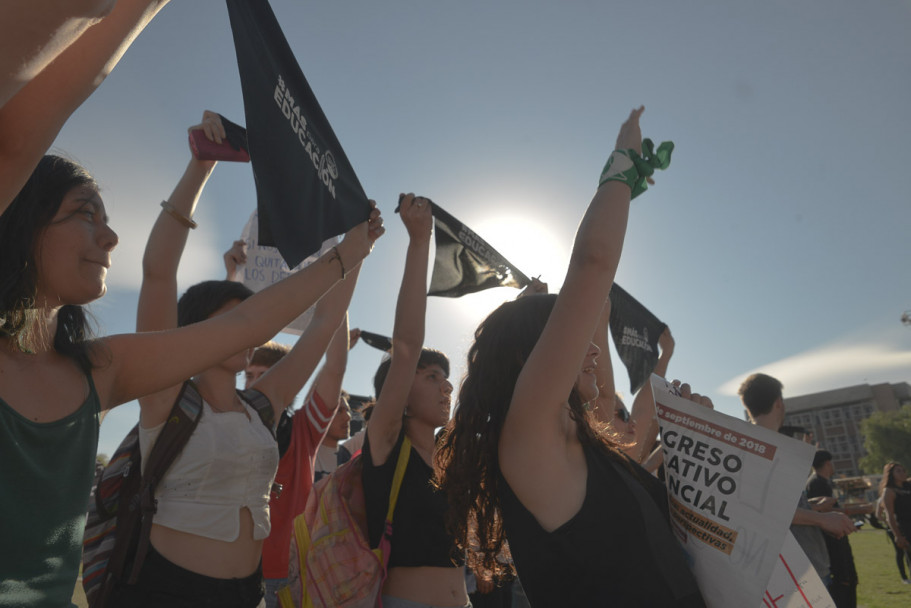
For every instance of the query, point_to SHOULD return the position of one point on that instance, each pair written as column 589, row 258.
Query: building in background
column 834, row 418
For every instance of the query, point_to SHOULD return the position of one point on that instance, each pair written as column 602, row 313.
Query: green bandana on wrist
column 633, row 169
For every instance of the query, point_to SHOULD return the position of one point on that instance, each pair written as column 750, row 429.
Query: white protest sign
column 794, row 582
column 732, row 491
column 265, row 266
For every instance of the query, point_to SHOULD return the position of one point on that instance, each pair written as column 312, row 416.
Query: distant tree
column 887, row 437
column 102, row 459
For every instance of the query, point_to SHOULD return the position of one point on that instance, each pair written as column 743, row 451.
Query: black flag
column 636, row 331
column 465, row 263
column 306, row 189
column 376, row 340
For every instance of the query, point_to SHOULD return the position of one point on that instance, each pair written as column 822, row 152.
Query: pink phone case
column 203, row 149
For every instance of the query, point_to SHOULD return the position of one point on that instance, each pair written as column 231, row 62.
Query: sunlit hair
column 21, row 228
column 269, row 354
column 888, row 480
column 466, row 461
column 759, row 393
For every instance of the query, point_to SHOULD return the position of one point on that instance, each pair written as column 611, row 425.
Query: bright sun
column 530, row 246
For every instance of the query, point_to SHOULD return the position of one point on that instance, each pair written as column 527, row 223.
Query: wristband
column 177, row 215
column 631, row 168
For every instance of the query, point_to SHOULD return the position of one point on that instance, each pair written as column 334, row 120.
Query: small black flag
column 377, row 341
column 357, row 402
column 306, row 189
column 465, row 263
column 636, row 331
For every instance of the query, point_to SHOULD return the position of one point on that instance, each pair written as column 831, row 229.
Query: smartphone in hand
column 204, row 149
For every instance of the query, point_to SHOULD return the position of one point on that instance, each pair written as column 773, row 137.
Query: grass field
column 880, row 585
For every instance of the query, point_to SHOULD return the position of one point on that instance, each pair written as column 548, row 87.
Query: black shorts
column 164, row 584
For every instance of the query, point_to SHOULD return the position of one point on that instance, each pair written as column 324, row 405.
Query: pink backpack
column 331, row 562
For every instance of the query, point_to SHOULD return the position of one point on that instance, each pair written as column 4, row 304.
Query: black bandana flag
column 306, row 189
column 636, row 331
column 376, row 340
column 465, row 263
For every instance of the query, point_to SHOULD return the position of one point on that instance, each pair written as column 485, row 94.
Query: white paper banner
column 794, row 582
column 265, row 266
column 733, row 488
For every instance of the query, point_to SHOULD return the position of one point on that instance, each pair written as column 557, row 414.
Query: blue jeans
column 272, row 587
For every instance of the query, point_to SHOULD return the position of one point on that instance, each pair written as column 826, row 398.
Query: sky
column 777, row 240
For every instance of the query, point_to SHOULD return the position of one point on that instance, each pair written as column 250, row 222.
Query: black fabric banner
column 356, row 402
column 376, row 340
column 306, row 189
column 636, row 331
column 465, row 263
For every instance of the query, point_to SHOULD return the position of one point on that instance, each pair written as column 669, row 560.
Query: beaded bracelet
column 337, row 256
column 177, row 215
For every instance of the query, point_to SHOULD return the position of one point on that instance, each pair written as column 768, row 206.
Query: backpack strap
column 174, row 436
column 400, row 466
column 262, row 405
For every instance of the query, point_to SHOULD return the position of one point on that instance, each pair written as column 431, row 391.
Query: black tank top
column 903, row 508
column 419, row 536
column 618, row 550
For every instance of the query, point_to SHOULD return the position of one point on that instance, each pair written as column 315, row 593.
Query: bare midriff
column 428, row 585
column 216, row 558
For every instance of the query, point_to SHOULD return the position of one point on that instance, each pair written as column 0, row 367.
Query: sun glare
column 529, row 245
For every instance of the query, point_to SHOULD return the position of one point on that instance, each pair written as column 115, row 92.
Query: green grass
column 880, row 585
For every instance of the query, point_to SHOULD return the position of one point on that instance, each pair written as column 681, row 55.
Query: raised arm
column 642, row 416
column 34, row 114
column 546, row 380
column 328, row 327
column 126, row 371
column 408, row 332
column 157, row 308
column 158, row 294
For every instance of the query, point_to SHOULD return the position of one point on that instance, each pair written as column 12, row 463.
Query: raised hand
column 212, row 126
column 359, row 241
column 630, row 136
column 416, row 215
column 534, row 288
column 353, row 336
column 234, row 257
column 687, row 393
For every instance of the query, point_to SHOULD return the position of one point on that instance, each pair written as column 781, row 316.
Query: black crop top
column 611, row 553
column 419, row 536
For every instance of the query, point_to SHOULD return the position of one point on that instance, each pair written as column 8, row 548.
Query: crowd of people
column 534, row 467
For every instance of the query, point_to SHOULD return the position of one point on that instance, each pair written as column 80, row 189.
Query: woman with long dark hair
column 56, row 381
column 524, row 460
column 896, row 499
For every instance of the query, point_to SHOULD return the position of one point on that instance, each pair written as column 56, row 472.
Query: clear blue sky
column 777, row 240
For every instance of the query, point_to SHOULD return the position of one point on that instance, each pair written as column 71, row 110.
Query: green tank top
column 46, row 473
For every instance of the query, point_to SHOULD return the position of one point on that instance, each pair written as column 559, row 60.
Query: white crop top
column 229, row 463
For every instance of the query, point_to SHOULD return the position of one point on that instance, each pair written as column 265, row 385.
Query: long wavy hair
column 21, row 228
column 888, row 480
column 466, row 461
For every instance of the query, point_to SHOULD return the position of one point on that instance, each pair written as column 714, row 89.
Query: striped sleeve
column 319, row 415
